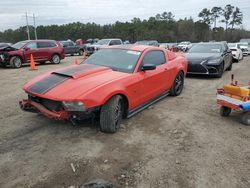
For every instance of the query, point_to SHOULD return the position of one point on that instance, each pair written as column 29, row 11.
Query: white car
column 185, row 45
column 245, row 48
column 236, row 51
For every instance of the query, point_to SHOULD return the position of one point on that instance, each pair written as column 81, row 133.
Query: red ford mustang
column 114, row 83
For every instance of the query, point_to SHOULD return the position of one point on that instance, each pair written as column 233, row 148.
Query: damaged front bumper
column 32, row 106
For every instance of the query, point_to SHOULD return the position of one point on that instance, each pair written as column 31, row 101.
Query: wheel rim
column 56, row 59
column 17, row 62
column 178, row 83
column 117, row 113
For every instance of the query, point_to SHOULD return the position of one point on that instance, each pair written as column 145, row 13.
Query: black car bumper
column 201, row 68
column 4, row 59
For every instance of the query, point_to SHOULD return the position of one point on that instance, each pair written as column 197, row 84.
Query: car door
column 44, row 50
column 71, row 47
column 152, row 81
column 31, row 48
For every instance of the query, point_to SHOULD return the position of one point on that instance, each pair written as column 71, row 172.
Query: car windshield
column 143, row 42
column 19, row 45
column 184, row 43
column 206, row 48
column 117, row 59
column 103, row 42
column 231, row 45
column 244, row 44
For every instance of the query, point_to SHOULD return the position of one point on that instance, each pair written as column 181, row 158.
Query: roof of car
column 40, row 40
column 134, row 47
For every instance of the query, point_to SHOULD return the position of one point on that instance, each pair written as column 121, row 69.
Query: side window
column 52, row 44
column 112, row 42
column 32, row 45
column 118, row 42
column 154, row 57
column 71, row 43
column 43, row 45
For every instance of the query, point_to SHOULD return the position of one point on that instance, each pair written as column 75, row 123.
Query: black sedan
column 209, row 59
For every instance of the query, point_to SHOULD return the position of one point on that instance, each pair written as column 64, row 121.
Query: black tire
column 231, row 66
column 111, row 115
column 225, row 111
column 55, row 59
column 178, row 84
column 81, row 52
column 245, row 119
column 220, row 70
column 15, row 62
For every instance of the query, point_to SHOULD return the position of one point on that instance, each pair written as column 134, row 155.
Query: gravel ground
column 178, row 142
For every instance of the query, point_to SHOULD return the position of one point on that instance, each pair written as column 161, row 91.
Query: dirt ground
column 178, row 142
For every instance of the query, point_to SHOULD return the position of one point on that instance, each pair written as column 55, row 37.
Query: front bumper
column 201, row 68
column 32, row 106
column 4, row 59
column 56, row 113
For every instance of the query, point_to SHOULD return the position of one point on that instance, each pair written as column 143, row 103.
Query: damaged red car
column 114, row 83
column 42, row 51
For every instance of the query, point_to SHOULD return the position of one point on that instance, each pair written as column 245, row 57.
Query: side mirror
column 26, row 48
column 147, row 67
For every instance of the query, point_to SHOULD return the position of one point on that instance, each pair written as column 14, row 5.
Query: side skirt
column 147, row 104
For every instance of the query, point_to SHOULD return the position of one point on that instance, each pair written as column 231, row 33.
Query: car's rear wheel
column 245, row 119
column 81, row 52
column 111, row 115
column 15, row 62
column 178, row 84
column 225, row 111
column 55, row 59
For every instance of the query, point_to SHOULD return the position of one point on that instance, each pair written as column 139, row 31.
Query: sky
column 12, row 14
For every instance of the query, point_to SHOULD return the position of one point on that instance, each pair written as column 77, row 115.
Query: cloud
column 105, row 11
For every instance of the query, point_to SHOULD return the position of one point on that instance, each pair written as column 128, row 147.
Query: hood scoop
column 79, row 71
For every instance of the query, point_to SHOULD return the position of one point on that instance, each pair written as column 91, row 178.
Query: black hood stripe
column 47, row 83
column 75, row 70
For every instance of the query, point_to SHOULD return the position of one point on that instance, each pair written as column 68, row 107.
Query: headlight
column 213, row 61
column 73, row 106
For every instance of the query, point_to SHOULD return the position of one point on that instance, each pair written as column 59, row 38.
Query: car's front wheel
column 220, row 70
column 55, row 59
column 81, row 52
column 246, row 118
column 111, row 115
column 178, row 84
column 15, row 62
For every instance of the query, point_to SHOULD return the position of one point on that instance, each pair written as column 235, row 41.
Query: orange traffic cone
column 32, row 63
column 84, row 56
column 76, row 61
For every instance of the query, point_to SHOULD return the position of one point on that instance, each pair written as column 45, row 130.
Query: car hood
column 199, row 57
column 7, row 49
column 72, row 82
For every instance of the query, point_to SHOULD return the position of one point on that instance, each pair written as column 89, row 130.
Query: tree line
column 162, row 27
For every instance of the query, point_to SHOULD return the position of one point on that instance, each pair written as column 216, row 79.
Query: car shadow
column 205, row 77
